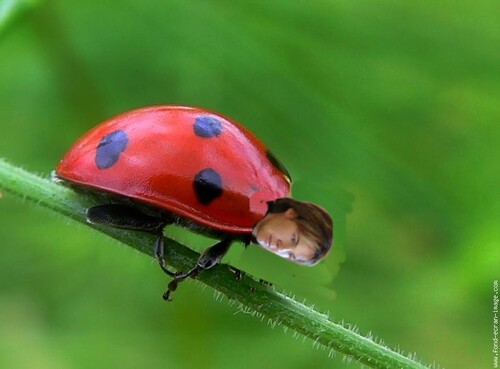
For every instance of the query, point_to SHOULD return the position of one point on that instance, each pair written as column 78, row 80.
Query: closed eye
column 295, row 239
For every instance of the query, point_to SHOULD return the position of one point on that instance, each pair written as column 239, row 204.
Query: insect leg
column 126, row 217
column 208, row 259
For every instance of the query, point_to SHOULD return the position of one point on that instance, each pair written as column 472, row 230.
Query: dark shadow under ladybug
column 128, row 217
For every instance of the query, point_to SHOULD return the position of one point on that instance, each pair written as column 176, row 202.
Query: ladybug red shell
column 191, row 162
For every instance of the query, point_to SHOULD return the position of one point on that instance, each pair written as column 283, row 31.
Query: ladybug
column 164, row 165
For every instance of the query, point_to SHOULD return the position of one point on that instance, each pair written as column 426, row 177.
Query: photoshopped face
column 280, row 234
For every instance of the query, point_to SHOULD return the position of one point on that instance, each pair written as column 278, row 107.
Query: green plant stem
column 254, row 297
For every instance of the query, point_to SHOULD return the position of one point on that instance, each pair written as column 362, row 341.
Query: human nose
column 279, row 243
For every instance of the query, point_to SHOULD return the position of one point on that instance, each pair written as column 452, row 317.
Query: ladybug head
column 299, row 231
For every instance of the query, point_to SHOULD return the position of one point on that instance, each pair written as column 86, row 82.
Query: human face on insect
column 280, row 233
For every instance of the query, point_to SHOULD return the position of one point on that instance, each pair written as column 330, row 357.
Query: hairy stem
column 253, row 296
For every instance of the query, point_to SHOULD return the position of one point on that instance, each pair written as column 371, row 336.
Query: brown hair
column 313, row 221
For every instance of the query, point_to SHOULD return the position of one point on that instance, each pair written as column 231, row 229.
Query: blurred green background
column 385, row 112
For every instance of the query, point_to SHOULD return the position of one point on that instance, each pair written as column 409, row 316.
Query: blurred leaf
column 11, row 10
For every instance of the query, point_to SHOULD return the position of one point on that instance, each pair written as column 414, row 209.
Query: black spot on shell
column 207, row 126
column 110, row 148
column 207, row 186
column 278, row 164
